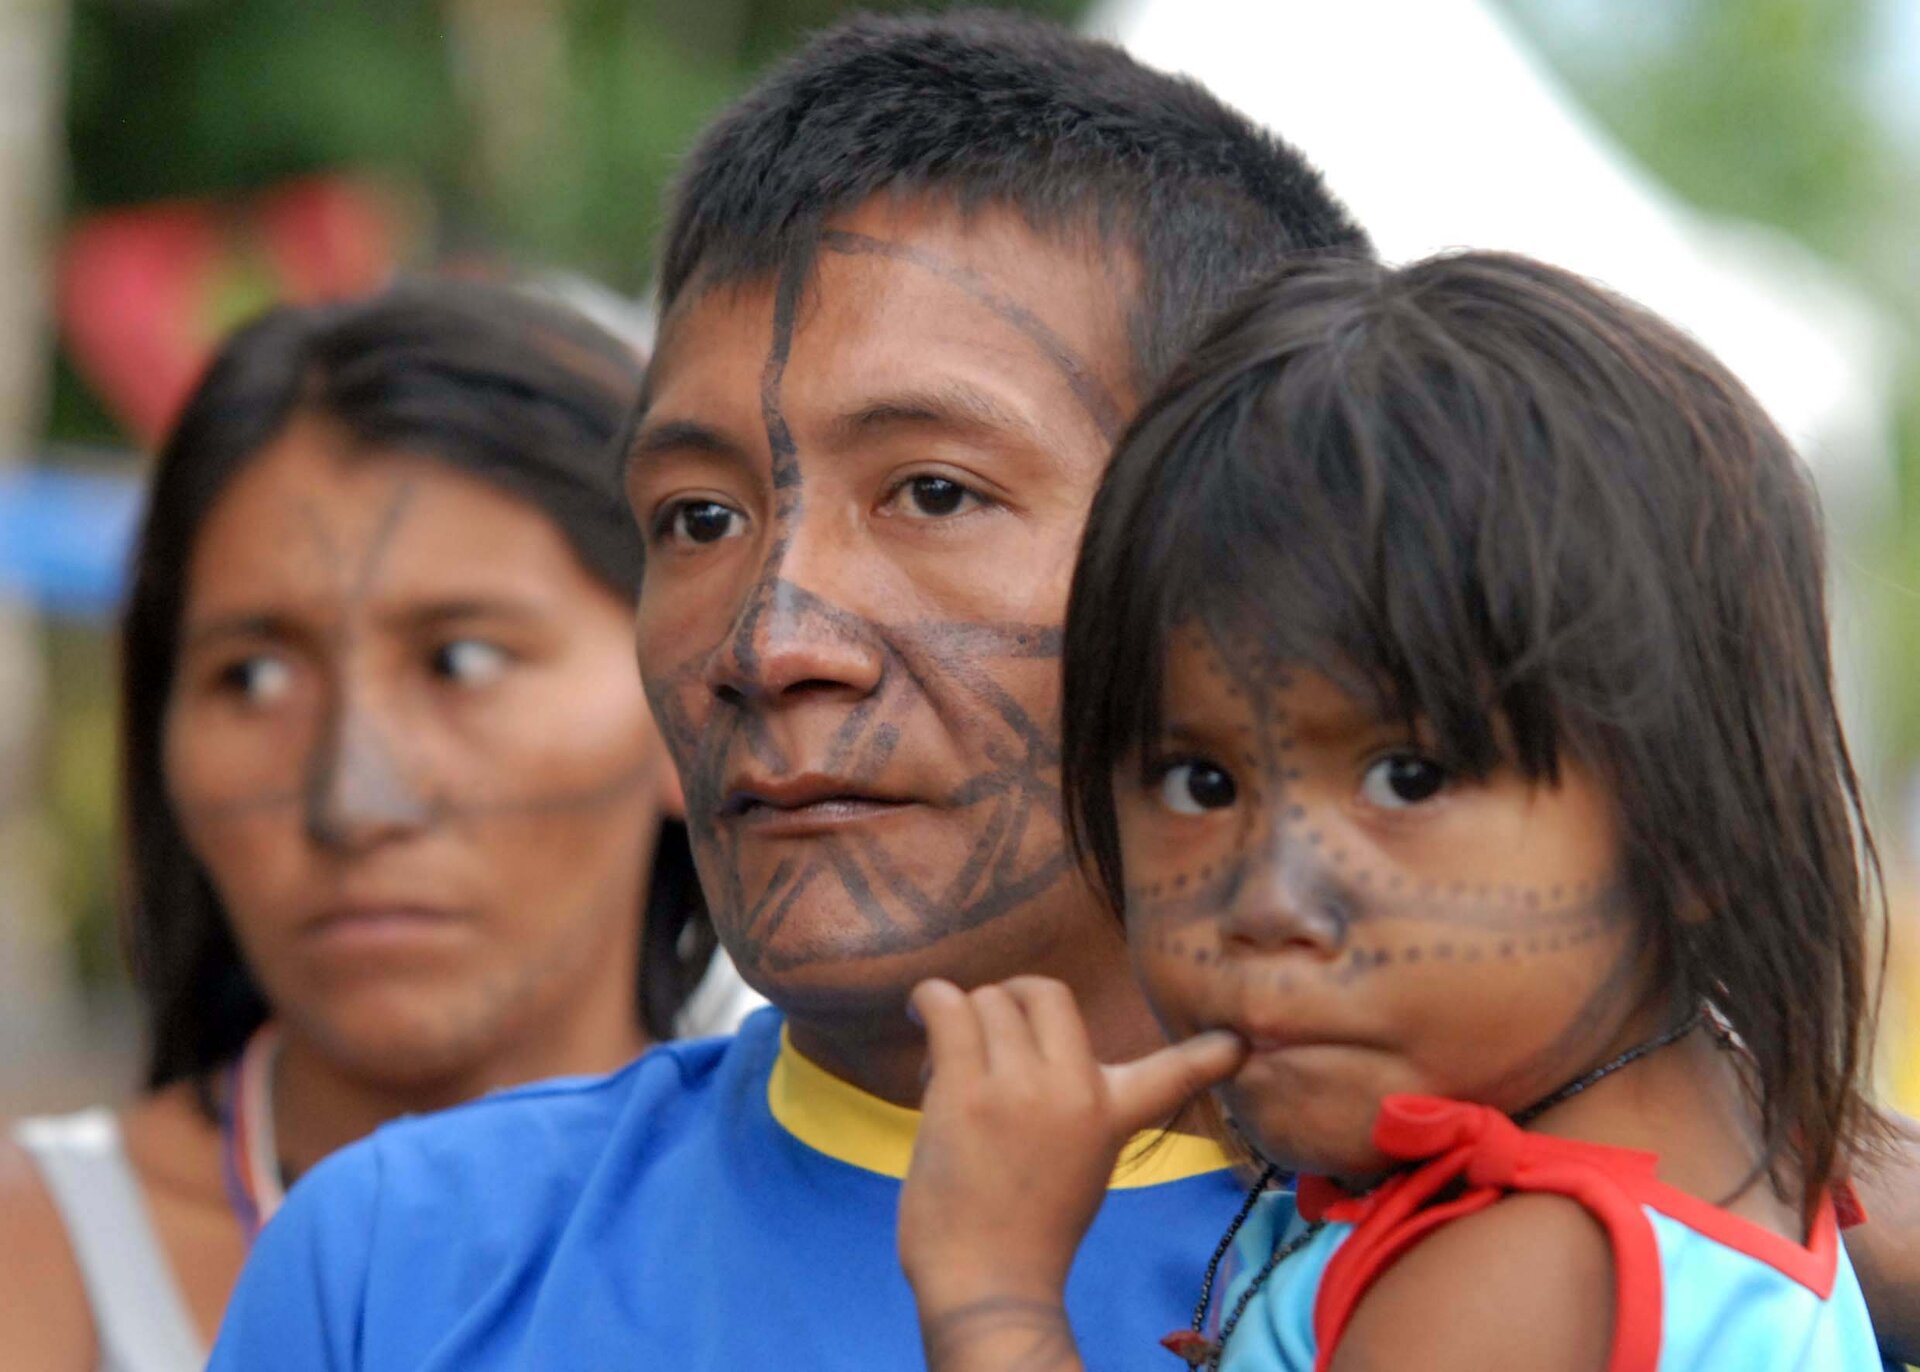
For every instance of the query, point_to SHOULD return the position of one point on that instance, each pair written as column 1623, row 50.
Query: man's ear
column 670, row 793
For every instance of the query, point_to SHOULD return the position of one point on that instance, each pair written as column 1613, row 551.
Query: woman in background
column 393, row 801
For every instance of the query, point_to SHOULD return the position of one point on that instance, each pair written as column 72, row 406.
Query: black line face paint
column 354, row 783
column 921, row 691
column 1092, row 393
column 1479, row 941
column 1008, row 849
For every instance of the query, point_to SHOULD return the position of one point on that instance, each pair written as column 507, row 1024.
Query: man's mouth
column 805, row 802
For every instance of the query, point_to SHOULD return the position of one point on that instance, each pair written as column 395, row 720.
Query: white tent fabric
column 1441, row 130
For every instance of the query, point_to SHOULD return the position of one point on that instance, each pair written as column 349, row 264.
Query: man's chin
column 837, row 972
column 830, row 964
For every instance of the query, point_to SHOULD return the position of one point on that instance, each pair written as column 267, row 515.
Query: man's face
column 862, row 492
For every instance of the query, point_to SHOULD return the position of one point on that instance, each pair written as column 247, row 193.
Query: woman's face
column 407, row 742
column 1306, row 874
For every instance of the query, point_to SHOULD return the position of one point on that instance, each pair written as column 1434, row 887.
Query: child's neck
column 1687, row 1104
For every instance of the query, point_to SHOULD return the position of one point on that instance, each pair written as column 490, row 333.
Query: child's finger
column 1010, row 1044
column 1057, row 1027
column 1150, row 1089
column 955, row 1043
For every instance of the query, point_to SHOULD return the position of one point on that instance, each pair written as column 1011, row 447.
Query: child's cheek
column 1173, row 962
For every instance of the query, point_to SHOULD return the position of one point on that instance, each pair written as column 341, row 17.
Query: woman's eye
column 258, row 680
column 1401, row 780
column 469, row 661
column 934, row 497
column 702, row 521
column 1193, row 788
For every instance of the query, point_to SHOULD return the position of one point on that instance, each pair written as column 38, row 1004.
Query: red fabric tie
column 1482, row 1156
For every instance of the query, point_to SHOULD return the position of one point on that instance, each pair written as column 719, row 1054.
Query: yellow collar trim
column 837, row 1118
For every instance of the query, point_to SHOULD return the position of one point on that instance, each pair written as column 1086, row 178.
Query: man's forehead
column 928, row 302
column 901, row 271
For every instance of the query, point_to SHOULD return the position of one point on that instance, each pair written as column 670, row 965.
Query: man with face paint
column 913, row 286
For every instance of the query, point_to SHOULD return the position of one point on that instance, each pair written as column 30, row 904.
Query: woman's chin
column 416, row 1045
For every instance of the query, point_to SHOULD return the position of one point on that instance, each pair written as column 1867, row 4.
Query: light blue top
column 1721, row 1307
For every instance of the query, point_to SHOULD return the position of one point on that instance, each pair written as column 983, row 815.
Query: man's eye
column 933, row 497
column 469, row 661
column 1193, row 788
column 257, row 680
column 702, row 521
column 1401, row 780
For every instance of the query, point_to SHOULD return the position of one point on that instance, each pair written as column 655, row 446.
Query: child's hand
column 1021, row 1131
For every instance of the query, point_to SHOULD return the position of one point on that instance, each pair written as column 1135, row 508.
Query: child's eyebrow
column 1198, row 736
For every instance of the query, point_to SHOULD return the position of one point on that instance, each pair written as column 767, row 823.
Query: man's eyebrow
column 684, row 435
column 950, row 406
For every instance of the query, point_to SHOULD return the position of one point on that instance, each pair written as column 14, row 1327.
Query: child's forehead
column 1256, row 681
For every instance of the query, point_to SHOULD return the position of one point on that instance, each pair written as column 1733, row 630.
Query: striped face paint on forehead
column 1318, row 879
column 850, row 622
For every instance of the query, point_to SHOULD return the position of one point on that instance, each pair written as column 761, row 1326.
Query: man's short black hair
column 992, row 108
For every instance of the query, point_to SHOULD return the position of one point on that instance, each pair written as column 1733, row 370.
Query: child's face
column 1303, row 873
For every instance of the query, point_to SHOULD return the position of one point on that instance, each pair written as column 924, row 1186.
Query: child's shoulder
column 1525, row 1282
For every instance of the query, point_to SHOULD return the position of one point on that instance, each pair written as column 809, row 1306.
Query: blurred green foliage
column 541, row 130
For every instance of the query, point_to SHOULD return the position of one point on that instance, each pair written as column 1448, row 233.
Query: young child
column 1475, row 799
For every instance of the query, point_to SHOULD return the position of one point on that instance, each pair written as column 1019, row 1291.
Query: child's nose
column 1291, row 900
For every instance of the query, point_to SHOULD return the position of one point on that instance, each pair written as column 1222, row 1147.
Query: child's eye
column 1193, row 788
column 257, row 680
column 469, row 661
column 929, row 496
column 1400, row 780
column 699, row 521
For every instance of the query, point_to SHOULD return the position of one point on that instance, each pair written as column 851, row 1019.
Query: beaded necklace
column 249, row 1154
column 1198, row 1351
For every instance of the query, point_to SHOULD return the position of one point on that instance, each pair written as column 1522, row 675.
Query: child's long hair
column 1533, row 517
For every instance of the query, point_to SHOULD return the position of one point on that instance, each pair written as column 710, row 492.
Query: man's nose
column 794, row 632
column 358, row 794
column 1291, row 898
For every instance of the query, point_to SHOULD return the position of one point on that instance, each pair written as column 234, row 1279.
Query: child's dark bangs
column 1333, row 516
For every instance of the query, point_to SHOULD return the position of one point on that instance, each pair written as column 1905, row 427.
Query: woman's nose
column 358, row 793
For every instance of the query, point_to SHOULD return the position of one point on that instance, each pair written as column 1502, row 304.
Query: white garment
column 718, row 1003
column 139, row 1315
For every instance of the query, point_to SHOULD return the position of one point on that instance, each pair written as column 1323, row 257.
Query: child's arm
column 1021, row 1130
column 1525, row 1283
column 1886, row 1249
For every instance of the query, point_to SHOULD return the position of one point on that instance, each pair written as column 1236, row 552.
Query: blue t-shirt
column 722, row 1204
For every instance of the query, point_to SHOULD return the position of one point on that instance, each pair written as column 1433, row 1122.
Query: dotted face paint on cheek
column 1295, row 905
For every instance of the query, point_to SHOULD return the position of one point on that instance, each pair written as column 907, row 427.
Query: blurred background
column 167, row 167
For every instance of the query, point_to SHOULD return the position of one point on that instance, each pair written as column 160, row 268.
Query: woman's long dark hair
column 485, row 378
column 1532, row 517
